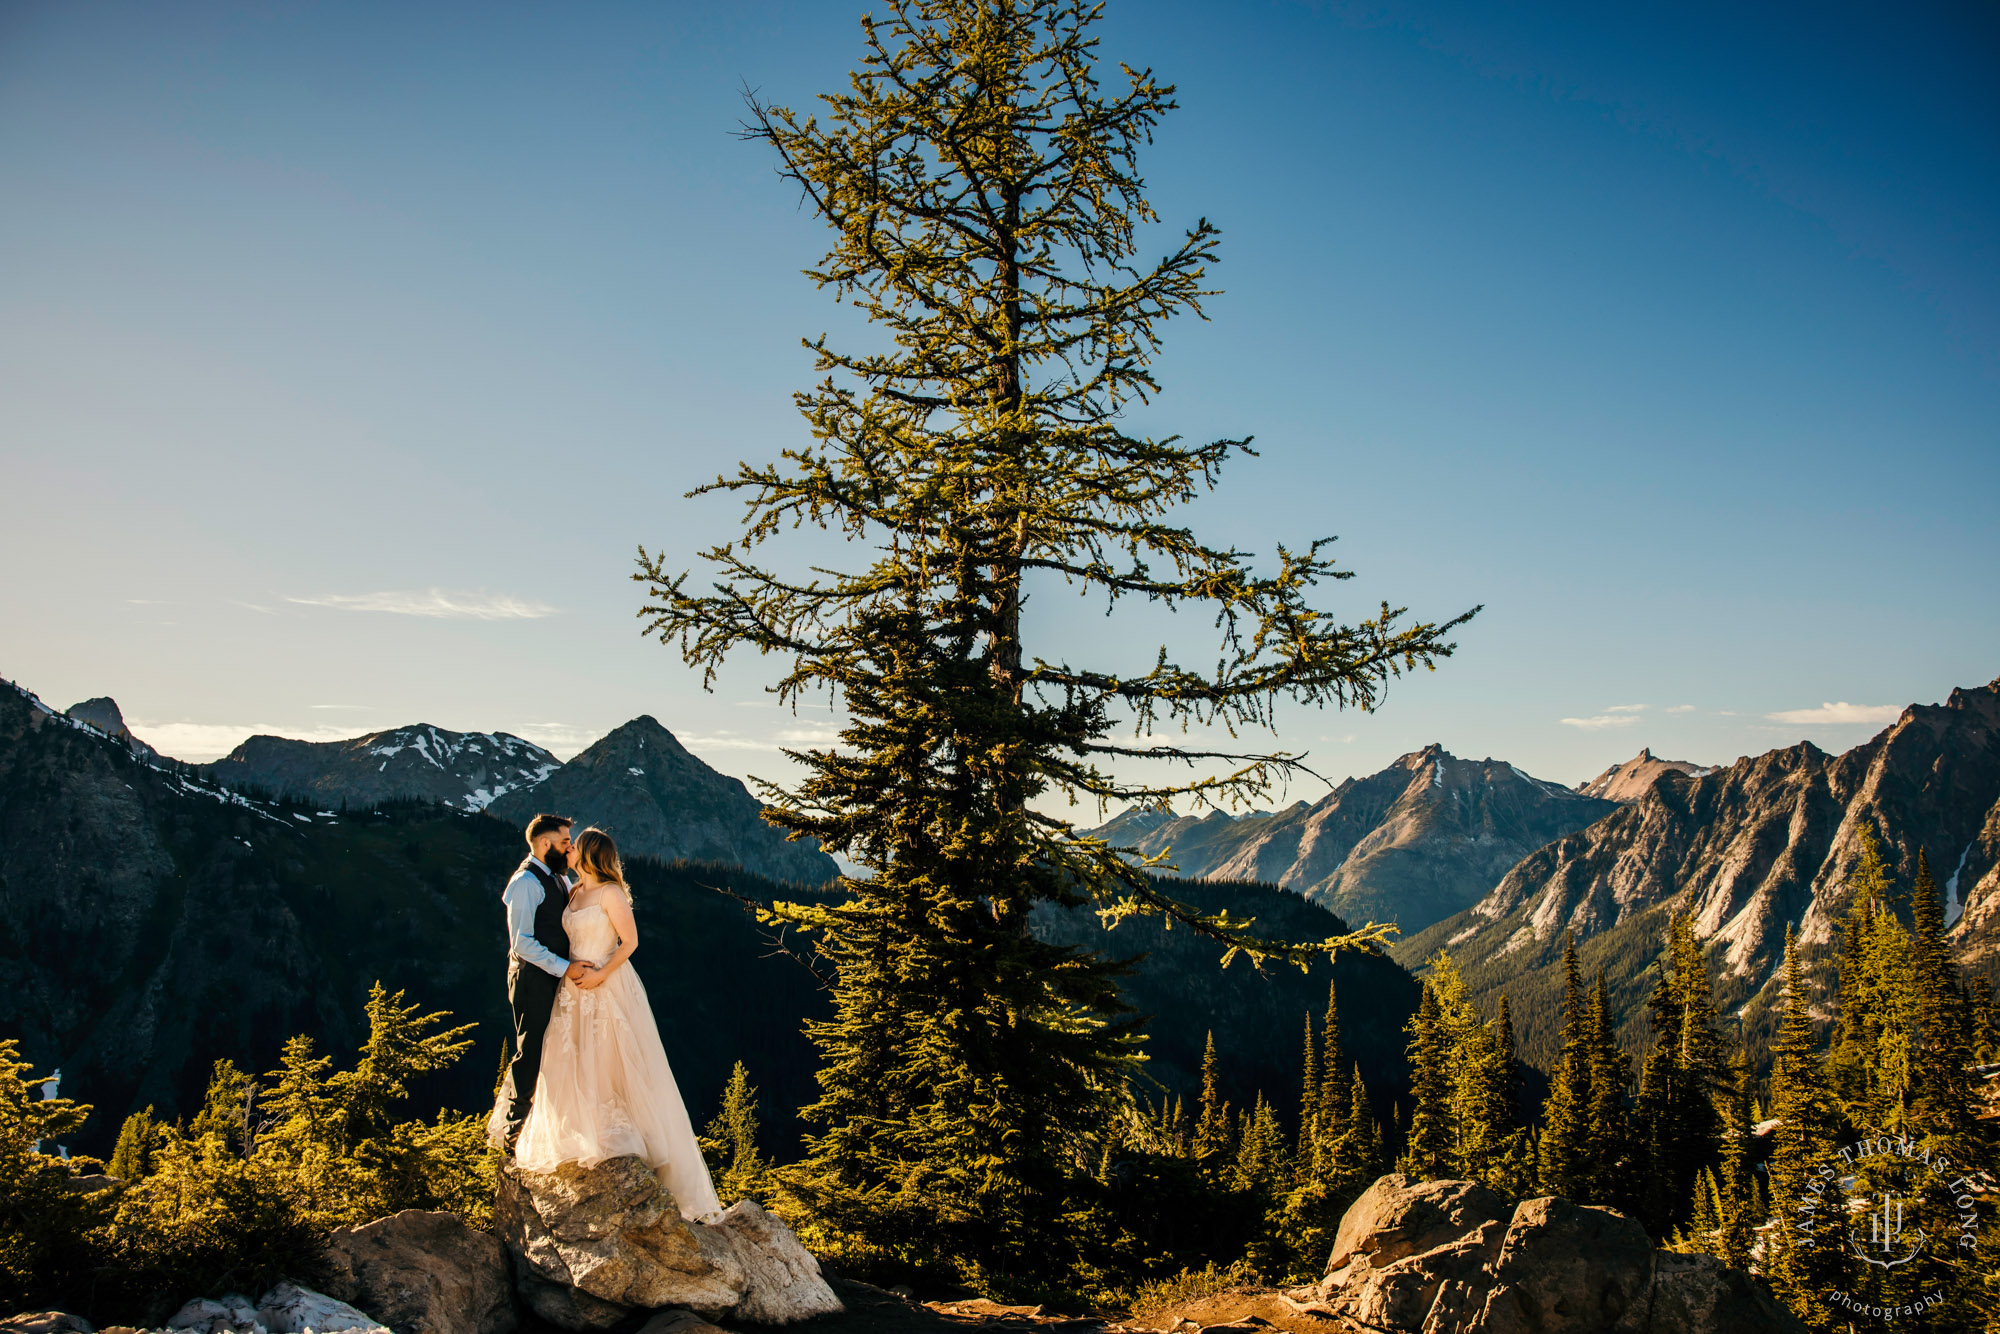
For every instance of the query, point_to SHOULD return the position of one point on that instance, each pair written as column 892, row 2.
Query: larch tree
column 980, row 185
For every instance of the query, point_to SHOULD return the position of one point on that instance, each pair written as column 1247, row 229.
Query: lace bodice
column 592, row 937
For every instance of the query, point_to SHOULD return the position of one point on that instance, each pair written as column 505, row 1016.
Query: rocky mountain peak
column 1428, row 834
column 103, row 714
column 469, row 770
column 1631, row 780
column 642, row 786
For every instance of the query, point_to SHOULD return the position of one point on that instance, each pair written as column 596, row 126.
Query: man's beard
column 556, row 861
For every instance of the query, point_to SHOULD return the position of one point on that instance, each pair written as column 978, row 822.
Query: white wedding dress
column 605, row 1088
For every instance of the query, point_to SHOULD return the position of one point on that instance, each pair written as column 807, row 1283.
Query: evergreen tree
column 982, row 193
column 1610, row 1168
column 1984, row 1021
column 1736, row 1200
column 1941, row 1104
column 226, row 1107
column 1361, row 1144
column 1308, row 1152
column 1510, row 1061
column 729, row 1142
column 1685, row 1070
column 1806, row 1256
column 1330, row 1109
column 133, row 1156
column 1428, row 1150
column 1260, row 1161
column 1565, row 1148
column 1211, row 1134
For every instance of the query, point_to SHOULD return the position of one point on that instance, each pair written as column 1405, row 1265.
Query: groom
column 537, row 947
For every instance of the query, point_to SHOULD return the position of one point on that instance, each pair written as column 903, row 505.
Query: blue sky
column 348, row 351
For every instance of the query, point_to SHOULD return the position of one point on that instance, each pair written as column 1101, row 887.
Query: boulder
column 1570, row 1269
column 1450, row 1257
column 1701, row 1292
column 290, row 1309
column 424, row 1272
column 1394, row 1218
column 46, row 1322
column 591, row 1245
column 233, row 1314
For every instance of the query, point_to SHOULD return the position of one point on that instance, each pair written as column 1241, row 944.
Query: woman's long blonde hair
column 597, row 854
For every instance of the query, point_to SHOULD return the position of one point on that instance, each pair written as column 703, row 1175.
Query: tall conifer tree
column 1565, row 1143
column 981, row 190
column 1806, row 1259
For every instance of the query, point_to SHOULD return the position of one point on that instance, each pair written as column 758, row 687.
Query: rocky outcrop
column 103, row 714
column 424, row 1272
column 468, row 770
column 285, row 1309
column 1629, row 781
column 45, row 1322
column 1450, row 1257
column 1423, row 839
column 592, row 1245
column 658, row 800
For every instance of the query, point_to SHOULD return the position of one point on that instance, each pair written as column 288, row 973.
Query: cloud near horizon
column 1597, row 722
column 200, row 743
column 435, row 602
column 1842, row 712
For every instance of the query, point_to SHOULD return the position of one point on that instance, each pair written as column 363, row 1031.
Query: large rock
column 1394, row 1218
column 290, row 1309
column 592, row 1245
column 1450, row 1257
column 424, row 1272
column 46, row 1322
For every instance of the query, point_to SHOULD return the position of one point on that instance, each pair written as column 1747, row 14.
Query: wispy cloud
column 435, row 602
column 562, row 740
column 1625, row 708
column 1597, row 722
column 1842, row 712
column 198, row 743
column 1681, row 708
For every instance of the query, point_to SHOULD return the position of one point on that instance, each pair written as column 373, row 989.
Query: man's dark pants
column 531, row 995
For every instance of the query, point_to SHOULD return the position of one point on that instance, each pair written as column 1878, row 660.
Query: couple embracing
column 589, row 1080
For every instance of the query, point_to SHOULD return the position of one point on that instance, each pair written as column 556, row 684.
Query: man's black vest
column 548, row 917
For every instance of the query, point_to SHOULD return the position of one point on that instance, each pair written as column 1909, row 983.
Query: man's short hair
column 547, row 824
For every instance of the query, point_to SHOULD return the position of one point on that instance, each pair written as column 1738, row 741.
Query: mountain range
column 1425, row 838
column 1763, row 843
column 158, row 921
column 638, row 783
column 468, row 770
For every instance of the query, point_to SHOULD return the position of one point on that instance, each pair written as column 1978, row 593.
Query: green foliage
column 1462, row 1120
column 133, row 1158
column 1676, row 1116
column 1191, row 1285
column 1565, row 1150
column 245, row 1191
column 43, row 1224
column 981, row 191
column 729, row 1144
column 1806, row 1258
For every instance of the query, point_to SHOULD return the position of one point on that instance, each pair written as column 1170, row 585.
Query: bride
column 605, row 1089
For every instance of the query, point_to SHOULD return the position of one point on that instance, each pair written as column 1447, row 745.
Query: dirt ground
column 872, row 1310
